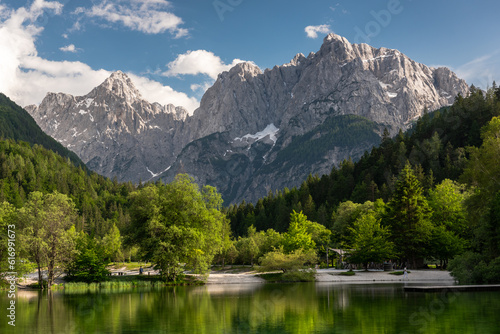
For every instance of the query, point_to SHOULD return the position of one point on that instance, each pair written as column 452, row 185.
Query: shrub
column 473, row 268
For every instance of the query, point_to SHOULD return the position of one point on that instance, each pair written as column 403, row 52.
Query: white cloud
column 26, row 78
column 312, row 31
column 153, row 91
column 201, row 88
column 69, row 48
column 481, row 71
column 148, row 16
column 199, row 62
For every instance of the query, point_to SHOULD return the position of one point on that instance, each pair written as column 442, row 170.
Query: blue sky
column 173, row 50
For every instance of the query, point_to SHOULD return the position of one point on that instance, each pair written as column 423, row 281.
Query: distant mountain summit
column 255, row 130
column 112, row 128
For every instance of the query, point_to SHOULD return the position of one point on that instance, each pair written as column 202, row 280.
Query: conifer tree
column 408, row 217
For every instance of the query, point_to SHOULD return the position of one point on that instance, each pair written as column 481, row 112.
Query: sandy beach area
column 322, row 275
column 332, row 275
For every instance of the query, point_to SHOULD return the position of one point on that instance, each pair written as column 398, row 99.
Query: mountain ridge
column 142, row 139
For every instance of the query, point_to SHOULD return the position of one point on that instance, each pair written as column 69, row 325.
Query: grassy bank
column 289, row 277
column 123, row 282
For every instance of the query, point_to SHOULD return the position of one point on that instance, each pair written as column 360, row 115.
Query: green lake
column 263, row 308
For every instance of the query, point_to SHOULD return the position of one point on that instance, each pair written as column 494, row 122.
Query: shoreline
column 332, row 276
column 322, row 276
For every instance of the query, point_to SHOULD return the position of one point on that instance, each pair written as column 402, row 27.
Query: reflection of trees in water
column 264, row 308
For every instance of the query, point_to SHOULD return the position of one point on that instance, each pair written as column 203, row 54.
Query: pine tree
column 408, row 217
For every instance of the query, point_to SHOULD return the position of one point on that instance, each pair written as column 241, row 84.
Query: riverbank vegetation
column 431, row 194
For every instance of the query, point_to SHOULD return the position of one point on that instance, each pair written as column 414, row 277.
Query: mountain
column 17, row 124
column 437, row 146
column 255, row 130
column 113, row 129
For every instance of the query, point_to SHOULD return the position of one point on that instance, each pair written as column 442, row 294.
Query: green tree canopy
column 408, row 218
column 177, row 224
column 297, row 236
column 88, row 265
column 46, row 220
column 370, row 241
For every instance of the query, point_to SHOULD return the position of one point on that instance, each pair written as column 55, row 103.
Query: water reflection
column 255, row 308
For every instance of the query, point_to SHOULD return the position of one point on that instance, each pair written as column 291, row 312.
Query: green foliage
column 17, row 124
column 7, row 217
column 100, row 202
column 89, row 265
column 347, row 131
column 468, row 268
column 399, row 273
column 370, row 241
column 176, row 224
column 112, row 245
column 298, row 236
column 483, row 169
column 482, row 263
column 435, row 147
column 320, row 235
column 345, row 216
column 279, row 260
column 447, row 201
column 408, row 217
column 248, row 250
column 45, row 221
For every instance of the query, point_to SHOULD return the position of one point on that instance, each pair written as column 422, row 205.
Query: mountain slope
column 249, row 117
column 17, row 124
column 113, row 129
column 382, row 86
column 437, row 146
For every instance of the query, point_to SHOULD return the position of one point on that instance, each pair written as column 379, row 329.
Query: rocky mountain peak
column 297, row 60
column 120, row 85
column 252, row 127
column 245, row 70
column 342, row 51
column 334, row 38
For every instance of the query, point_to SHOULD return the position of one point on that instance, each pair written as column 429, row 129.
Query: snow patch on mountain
column 271, row 130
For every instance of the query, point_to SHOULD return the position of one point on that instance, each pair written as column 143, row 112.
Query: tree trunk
column 40, row 279
column 50, row 274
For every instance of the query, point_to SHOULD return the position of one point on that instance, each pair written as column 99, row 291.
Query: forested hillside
column 25, row 169
column 17, row 124
column 436, row 148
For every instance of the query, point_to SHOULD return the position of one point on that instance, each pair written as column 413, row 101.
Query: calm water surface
column 263, row 308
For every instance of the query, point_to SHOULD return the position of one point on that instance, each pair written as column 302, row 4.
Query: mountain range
column 255, row 130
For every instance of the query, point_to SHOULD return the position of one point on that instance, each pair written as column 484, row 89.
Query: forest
column 428, row 195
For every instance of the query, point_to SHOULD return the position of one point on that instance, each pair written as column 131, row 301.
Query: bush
column 87, row 267
column 290, row 276
column 472, row 268
column 277, row 260
column 399, row 273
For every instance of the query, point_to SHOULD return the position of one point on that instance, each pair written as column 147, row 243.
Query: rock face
column 254, row 131
column 113, row 130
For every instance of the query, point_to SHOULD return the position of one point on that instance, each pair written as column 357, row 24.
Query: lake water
column 262, row 308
